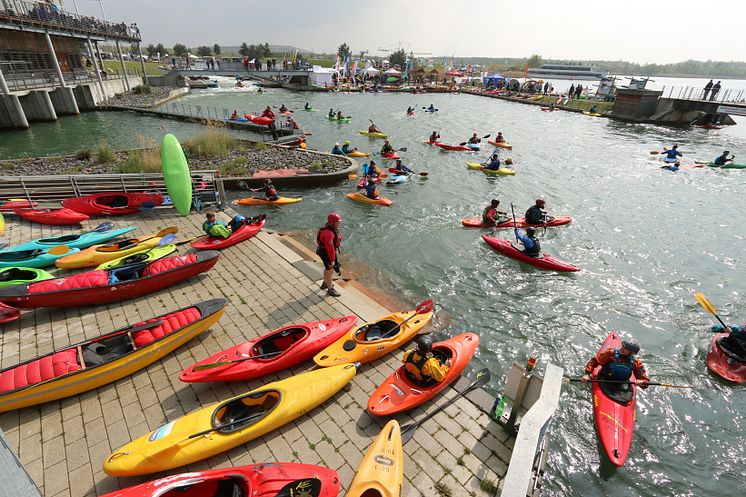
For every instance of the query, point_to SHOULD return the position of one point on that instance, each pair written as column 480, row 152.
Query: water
column 647, row 239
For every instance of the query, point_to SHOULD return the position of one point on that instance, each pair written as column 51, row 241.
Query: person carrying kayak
column 431, row 108
column 218, row 229
column 672, row 155
column 434, row 137
column 494, row 163
column 618, row 364
column 234, row 116
column 328, row 239
column 491, row 216
column 331, row 114
column 723, row 159
column 336, row 150
column 736, row 340
column 410, row 111
column 421, row 365
column 500, row 138
column 387, row 148
column 268, row 113
column 536, row 214
column 269, row 190
column 306, row 107
column 531, row 245
column 401, row 168
column 346, row 148
column 474, row 139
column 373, row 128
column 371, row 190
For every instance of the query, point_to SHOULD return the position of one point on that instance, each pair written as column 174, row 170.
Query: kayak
column 725, row 362
column 310, row 109
column 281, row 479
column 428, row 142
column 369, row 341
column 361, row 183
column 503, row 171
column 245, row 232
column 19, row 275
column 8, row 314
column 474, row 146
column 709, row 126
column 343, row 120
column 111, row 285
column 263, row 121
column 398, row 179
column 291, row 345
column 33, row 258
column 460, row 148
column 54, row 217
column 98, row 254
column 264, row 201
column 113, row 203
column 727, row 166
column 520, row 222
column 545, row 261
column 381, row 472
column 399, row 393
column 176, row 174
column 593, row 114
column 373, row 135
column 615, row 421
column 390, row 155
column 357, row 153
column 13, row 204
column 79, row 241
column 500, row 144
column 359, row 197
column 92, row 363
column 229, row 423
column 146, row 255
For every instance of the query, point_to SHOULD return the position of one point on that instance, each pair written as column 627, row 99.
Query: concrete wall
column 111, row 87
column 37, row 105
column 11, row 113
column 63, row 100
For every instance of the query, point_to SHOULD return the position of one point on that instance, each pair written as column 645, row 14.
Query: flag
column 526, row 70
column 406, row 71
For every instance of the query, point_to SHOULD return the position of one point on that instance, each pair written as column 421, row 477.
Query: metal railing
column 43, row 15
column 47, row 78
column 54, row 189
column 699, row 93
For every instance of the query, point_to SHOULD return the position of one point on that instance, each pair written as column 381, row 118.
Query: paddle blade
column 654, row 152
column 59, row 250
column 403, row 149
column 166, row 240
column 705, row 303
column 423, row 173
column 168, row 231
column 424, row 307
column 104, row 227
column 308, row 487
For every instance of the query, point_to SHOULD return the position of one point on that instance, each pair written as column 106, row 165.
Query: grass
column 321, row 62
column 84, row 154
column 142, row 90
column 488, row 486
column 580, row 104
column 104, row 154
column 151, row 68
column 443, row 490
column 211, row 143
column 235, row 167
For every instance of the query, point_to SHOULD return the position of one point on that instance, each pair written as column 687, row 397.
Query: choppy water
column 647, row 239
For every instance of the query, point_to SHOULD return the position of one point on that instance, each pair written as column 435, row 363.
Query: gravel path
column 143, row 100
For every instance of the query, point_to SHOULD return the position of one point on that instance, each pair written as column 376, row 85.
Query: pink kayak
column 460, row 148
column 544, row 261
column 520, row 222
column 391, row 155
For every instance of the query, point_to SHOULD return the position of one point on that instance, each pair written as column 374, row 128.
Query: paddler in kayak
column 371, row 190
column 500, row 138
column 387, row 148
column 401, row 168
column 331, row 114
column 410, row 111
column 618, row 364
column 346, row 148
column 328, row 240
column 474, row 140
column 736, row 340
column 671, row 155
column 340, row 116
column 373, row 128
column 218, row 229
column 594, row 109
column 421, row 365
column 372, row 171
column 269, row 190
column 336, row 150
column 431, row 108
column 536, row 214
column 531, row 245
column 283, row 108
column 491, row 216
column 494, row 163
column 306, row 107
column 723, row 159
column 434, row 137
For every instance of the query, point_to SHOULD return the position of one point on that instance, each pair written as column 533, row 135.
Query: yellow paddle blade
column 705, row 303
column 352, row 176
column 59, row 250
column 167, row 231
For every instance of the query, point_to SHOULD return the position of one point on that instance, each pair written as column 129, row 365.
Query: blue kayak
column 33, row 258
column 74, row 241
column 398, row 179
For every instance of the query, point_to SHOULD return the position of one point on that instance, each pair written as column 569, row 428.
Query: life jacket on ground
column 413, row 366
column 620, row 369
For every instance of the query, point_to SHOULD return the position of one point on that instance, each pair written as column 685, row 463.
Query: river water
column 646, row 239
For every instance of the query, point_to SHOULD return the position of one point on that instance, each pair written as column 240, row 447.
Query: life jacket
column 485, row 215
column 620, row 369
column 269, row 191
column 413, row 366
column 335, row 241
column 535, row 250
column 216, row 229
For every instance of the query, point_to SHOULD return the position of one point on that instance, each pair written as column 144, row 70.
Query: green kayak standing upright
column 176, row 174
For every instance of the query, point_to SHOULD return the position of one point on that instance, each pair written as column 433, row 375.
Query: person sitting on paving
column 421, row 365
column 387, row 148
column 531, row 245
column 218, row 229
column 269, row 190
column 618, row 364
column 723, row 159
column 373, row 128
column 434, row 137
column 536, row 214
column 491, row 216
column 346, row 148
column 401, row 168
column 494, row 163
column 336, row 150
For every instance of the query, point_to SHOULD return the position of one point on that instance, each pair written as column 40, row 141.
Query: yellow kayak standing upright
column 381, row 472
column 222, row 426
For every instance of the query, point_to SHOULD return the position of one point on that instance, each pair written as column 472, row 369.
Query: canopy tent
column 321, row 76
column 371, row 71
column 492, row 80
column 392, row 72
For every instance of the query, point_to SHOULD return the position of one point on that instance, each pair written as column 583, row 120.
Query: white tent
column 320, row 76
column 392, row 72
column 371, row 71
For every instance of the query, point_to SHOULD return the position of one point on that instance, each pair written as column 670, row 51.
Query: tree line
column 180, row 50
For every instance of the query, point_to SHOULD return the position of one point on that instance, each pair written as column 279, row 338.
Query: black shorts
column 324, row 258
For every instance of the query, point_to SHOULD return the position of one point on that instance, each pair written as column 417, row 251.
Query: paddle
column 407, row 431
column 423, row 308
column 232, row 423
column 59, row 250
column 166, row 240
column 483, row 138
column 212, row 365
column 707, row 305
column 164, row 232
column 103, row 227
column 652, row 383
column 512, row 209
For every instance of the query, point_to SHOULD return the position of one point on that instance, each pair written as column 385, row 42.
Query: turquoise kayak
column 75, row 241
column 33, row 258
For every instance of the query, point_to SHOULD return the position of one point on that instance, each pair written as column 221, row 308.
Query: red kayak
column 113, row 203
column 391, row 155
column 245, row 232
column 11, row 205
column 374, row 180
column 264, row 121
column 400, row 393
column 57, row 217
column 453, row 147
column 520, row 222
column 545, row 261
column 8, row 314
column 615, row 419
column 291, row 345
column 110, row 285
column 725, row 362
column 257, row 480
column 709, row 126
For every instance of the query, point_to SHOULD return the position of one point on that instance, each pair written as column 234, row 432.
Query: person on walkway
column 536, row 215
column 328, row 239
column 269, row 190
column 715, row 91
column 672, row 155
column 707, row 89
column 268, row 113
column 531, row 245
column 387, row 148
column 336, row 150
column 373, row 128
column 571, row 93
column 618, row 364
column 499, row 138
column 346, row 148
column 421, row 365
column 218, row 229
column 491, row 216
column 434, row 137
column 546, row 87
column 401, row 168
column 578, row 91
column 736, row 340
column 724, row 159
column 494, row 163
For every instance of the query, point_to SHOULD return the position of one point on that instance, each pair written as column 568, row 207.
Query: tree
column 265, row 49
column 204, row 51
column 160, row 49
column 180, row 49
column 150, row 50
column 244, row 50
column 216, row 49
column 343, row 51
column 535, row 61
column 398, row 58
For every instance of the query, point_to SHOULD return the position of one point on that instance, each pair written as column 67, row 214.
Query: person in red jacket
column 617, row 365
column 268, row 113
column 328, row 239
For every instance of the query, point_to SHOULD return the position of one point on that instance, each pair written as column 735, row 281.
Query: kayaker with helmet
column 421, row 364
column 346, row 148
column 269, row 190
column 491, row 216
column 536, row 214
column 434, row 137
column 372, row 171
column 328, row 240
column 373, row 128
column 234, row 116
column 531, row 245
column 410, row 111
column 371, row 190
column 672, row 155
column 387, row 148
column 736, row 340
column 401, row 168
column 594, row 109
column 268, row 113
column 340, row 116
column 618, row 364
column 431, row 108
column 306, row 107
column 500, row 138
column 336, row 150
column 723, row 159
column 331, row 114
column 283, row 108
column 218, row 229
column 494, row 163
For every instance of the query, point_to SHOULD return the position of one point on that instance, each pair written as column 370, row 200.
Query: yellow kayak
column 357, row 153
column 145, row 255
column 373, row 135
column 219, row 427
column 500, row 144
column 264, row 201
column 592, row 114
column 503, row 170
column 359, row 197
column 381, row 472
column 370, row 341
column 98, row 254
column 2, row 224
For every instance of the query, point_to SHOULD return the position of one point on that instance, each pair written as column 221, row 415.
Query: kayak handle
column 116, row 455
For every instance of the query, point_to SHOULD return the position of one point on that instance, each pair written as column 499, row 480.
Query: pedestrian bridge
column 232, row 70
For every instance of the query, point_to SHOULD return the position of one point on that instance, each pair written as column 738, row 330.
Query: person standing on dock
column 707, row 89
column 328, row 240
column 571, row 93
column 715, row 91
column 578, row 91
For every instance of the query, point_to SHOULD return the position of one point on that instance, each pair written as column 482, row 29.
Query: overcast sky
column 652, row 31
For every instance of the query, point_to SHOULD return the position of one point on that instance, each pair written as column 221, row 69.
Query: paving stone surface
column 266, row 280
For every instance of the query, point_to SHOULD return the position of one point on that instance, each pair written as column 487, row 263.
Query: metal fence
column 47, row 78
column 699, row 93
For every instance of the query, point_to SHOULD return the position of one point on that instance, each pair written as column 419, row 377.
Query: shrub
column 84, row 154
column 488, row 486
column 235, row 167
column 142, row 161
column 211, row 143
column 104, row 154
column 142, row 90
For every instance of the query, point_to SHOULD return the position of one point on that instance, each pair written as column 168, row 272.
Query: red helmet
column 333, row 217
column 540, row 202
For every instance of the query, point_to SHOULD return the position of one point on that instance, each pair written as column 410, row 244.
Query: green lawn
column 321, row 62
column 151, row 67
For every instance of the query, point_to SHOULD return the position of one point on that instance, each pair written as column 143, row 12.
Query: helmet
column 398, row 161
column 540, row 202
column 336, row 144
column 347, row 142
column 726, row 152
column 424, row 343
column 495, row 202
column 333, row 217
column 508, row 160
column 530, row 231
column 675, row 147
column 267, row 181
column 631, row 346
column 372, row 163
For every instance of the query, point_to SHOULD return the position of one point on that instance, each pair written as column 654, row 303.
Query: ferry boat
column 567, row 71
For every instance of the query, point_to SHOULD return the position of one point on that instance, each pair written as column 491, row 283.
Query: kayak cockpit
column 17, row 274
column 731, row 350
column 20, row 255
column 442, row 354
column 375, row 331
column 229, row 486
column 60, row 239
column 237, row 414
column 116, row 246
column 115, row 201
column 279, row 343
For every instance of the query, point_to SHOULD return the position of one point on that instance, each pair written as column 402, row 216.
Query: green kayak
column 343, row 120
column 142, row 256
column 19, row 275
column 176, row 174
column 727, row 166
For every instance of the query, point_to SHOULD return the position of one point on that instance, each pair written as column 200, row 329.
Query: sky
column 659, row 31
